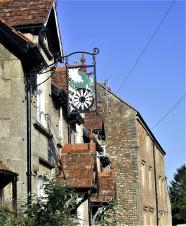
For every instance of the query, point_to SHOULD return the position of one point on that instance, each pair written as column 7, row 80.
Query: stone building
column 37, row 135
column 29, row 45
column 137, row 157
column 83, row 164
column 141, row 185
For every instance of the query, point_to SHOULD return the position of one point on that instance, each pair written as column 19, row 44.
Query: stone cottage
column 30, row 124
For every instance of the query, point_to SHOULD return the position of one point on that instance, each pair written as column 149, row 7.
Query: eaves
column 142, row 121
column 21, row 47
column 139, row 118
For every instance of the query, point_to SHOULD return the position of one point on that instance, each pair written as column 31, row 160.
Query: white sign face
column 81, row 89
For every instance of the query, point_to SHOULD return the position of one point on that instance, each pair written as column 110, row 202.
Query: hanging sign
column 81, row 80
column 81, row 89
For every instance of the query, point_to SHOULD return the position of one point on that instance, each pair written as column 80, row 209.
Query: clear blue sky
column 120, row 29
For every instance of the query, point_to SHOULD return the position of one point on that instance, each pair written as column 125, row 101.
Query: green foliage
column 56, row 208
column 8, row 217
column 106, row 215
column 177, row 191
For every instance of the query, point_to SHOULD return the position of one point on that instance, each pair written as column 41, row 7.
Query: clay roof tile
column 25, row 12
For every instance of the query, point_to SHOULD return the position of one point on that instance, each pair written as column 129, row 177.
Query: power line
column 146, row 46
column 168, row 112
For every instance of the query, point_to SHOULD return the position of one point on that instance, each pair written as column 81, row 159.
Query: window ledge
column 42, row 130
column 46, row 163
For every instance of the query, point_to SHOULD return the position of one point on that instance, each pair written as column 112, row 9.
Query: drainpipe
column 43, row 43
column 29, row 160
column 156, row 191
column 14, row 193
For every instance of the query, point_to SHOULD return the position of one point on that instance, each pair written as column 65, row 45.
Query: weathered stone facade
column 13, row 117
column 18, row 63
column 121, row 144
column 132, row 145
column 155, row 198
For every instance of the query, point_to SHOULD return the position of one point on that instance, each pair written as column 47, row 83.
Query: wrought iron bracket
column 65, row 58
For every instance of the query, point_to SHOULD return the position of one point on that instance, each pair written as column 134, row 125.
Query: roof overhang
column 145, row 126
column 21, row 47
column 51, row 26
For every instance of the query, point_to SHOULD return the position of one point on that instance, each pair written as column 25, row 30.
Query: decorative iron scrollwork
column 81, row 79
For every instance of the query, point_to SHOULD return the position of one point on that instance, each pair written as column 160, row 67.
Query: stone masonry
column 13, row 117
column 140, row 176
column 121, row 144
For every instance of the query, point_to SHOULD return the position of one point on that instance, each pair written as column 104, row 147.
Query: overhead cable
column 169, row 111
column 147, row 45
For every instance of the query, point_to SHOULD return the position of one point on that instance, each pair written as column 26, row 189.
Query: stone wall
column 13, row 125
column 140, row 171
column 155, row 200
column 147, row 177
column 13, row 117
column 121, row 143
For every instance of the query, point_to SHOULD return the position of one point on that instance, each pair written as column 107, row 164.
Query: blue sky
column 121, row 29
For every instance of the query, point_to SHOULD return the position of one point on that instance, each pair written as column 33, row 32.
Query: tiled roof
column 78, row 162
column 93, row 121
column 106, row 183
column 25, row 12
column 59, row 79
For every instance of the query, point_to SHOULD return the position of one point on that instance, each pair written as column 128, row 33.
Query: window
column 143, row 173
column 151, row 218
column 159, row 185
column 41, row 99
column 144, row 218
column 163, row 189
column 147, row 143
column 61, row 124
column 161, row 220
column 53, row 156
column 150, row 178
column 78, row 135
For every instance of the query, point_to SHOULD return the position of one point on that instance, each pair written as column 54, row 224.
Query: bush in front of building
column 56, row 207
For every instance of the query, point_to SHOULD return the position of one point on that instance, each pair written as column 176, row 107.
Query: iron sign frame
column 82, row 90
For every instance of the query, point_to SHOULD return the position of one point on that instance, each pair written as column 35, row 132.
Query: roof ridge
column 111, row 92
column 23, row 13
